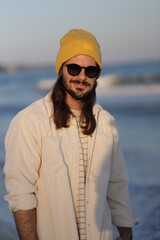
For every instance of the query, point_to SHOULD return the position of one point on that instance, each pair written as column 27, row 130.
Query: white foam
column 111, row 85
column 130, row 90
column 46, row 84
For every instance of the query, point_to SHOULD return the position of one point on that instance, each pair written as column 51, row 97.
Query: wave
column 136, row 79
column 137, row 84
column 113, row 91
column 46, row 84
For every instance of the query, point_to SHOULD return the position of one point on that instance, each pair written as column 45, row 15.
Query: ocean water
column 131, row 93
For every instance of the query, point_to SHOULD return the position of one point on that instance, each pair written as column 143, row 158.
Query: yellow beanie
column 77, row 42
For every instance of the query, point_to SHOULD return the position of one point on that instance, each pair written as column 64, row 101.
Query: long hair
column 62, row 112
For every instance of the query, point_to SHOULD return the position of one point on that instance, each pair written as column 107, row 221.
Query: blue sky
column 127, row 30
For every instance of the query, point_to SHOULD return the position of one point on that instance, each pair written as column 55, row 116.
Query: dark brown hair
column 62, row 112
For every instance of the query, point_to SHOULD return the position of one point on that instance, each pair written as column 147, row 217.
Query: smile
column 80, row 83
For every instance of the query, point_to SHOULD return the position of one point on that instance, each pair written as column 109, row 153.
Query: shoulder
column 30, row 112
column 104, row 115
column 34, row 114
column 106, row 121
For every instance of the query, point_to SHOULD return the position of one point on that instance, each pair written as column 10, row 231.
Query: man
column 65, row 173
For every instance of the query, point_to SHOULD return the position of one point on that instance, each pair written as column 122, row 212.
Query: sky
column 127, row 30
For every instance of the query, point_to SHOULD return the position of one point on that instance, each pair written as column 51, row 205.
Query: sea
column 131, row 93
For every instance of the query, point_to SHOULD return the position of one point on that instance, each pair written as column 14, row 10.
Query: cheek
column 66, row 79
column 93, row 83
column 65, row 74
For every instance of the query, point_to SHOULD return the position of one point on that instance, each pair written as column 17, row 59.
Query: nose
column 82, row 74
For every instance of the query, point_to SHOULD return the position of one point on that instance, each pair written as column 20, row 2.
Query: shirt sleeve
column 22, row 163
column 118, row 194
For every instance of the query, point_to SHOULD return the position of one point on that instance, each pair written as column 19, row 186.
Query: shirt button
column 89, row 224
column 87, row 202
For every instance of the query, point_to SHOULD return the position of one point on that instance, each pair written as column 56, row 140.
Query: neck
column 73, row 103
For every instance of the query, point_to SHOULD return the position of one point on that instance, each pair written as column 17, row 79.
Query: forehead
column 84, row 60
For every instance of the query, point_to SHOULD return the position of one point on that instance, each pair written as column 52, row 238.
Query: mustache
column 76, row 81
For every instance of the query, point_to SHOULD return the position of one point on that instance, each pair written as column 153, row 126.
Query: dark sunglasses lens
column 92, row 71
column 73, row 69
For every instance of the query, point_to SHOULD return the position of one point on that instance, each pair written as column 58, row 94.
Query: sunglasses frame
column 80, row 68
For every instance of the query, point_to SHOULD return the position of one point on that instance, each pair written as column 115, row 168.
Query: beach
column 132, row 95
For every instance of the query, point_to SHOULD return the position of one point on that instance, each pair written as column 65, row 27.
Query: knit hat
column 77, row 42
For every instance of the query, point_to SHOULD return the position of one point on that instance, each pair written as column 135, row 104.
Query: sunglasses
column 75, row 69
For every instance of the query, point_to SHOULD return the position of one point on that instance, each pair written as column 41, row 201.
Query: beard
column 80, row 96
